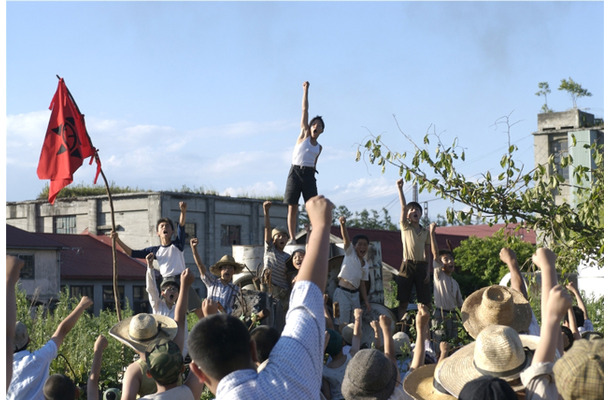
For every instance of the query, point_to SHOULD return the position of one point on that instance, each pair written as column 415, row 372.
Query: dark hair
column 414, row 204
column 220, row 344
column 487, row 387
column 445, row 253
column 59, row 387
column 165, row 219
column 358, row 237
column 265, row 337
column 319, row 118
column 580, row 316
column 566, row 331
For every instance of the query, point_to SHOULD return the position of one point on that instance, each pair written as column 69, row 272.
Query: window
column 65, row 224
column 230, row 235
column 108, row 297
column 190, row 230
column 140, row 300
column 77, row 291
column 559, row 149
column 28, row 271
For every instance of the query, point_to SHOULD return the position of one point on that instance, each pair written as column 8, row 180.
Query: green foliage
column 390, row 296
column 82, row 189
column 515, row 195
column 77, row 347
column 574, row 89
column 544, row 90
column 595, row 310
column 479, row 260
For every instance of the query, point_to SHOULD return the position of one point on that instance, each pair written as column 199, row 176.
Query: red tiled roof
column 447, row 237
column 82, row 256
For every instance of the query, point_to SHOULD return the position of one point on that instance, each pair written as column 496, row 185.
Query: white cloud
column 257, row 189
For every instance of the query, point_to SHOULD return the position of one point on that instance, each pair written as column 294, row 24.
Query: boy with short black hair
column 416, row 267
column 302, row 178
column 354, row 273
column 447, row 294
column 60, row 387
column 169, row 254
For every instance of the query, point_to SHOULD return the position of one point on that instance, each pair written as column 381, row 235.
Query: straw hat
column 226, row 260
column 144, row 330
column 496, row 305
column 419, row 384
column 348, row 333
column 498, row 351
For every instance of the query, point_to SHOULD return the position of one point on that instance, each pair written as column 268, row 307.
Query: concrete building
column 554, row 137
column 219, row 222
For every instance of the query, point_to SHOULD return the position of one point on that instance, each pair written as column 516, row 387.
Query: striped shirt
column 275, row 260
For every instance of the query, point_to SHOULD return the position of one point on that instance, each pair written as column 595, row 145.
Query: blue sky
column 208, row 94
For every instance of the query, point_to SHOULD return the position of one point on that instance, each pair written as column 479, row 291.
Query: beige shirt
column 447, row 293
column 414, row 242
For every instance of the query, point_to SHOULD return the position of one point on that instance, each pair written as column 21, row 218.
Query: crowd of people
column 316, row 349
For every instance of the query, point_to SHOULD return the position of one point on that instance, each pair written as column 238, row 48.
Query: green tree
column 515, row 195
column 479, row 260
column 544, row 90
column 574, row 89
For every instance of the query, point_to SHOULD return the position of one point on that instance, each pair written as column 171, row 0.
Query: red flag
column 66, row 143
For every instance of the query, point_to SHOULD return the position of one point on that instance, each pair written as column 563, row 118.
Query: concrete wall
column 45, row 285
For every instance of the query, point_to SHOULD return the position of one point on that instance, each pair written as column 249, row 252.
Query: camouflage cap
column 165, row 362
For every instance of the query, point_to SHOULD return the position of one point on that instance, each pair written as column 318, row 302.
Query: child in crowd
column 219, row 279
column 274, row 261
column 293, row 264
column 31, row 370
column 169, row 254
column 415, row 267
column 301, row 178
column 334, row 370
column 447, row 295
column 580, row 312
column 352, row 276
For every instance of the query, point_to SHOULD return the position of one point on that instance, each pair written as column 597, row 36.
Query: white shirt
column 352, row 269
column 294, row 369
column 305, row 154
column 30, row 372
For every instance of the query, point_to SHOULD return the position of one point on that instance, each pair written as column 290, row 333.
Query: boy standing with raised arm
column 301, row 178
column 415, row 268
column 169, row 254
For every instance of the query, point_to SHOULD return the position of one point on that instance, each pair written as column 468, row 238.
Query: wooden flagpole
column 115, row 285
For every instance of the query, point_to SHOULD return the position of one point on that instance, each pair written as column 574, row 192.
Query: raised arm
column 421, row 326
column 186, row 280
column 151, row 285
column 357, row 335
column 559, row 300
column 93, row 389
column 305, row 115
column 315, row 263
column 182, row 206
column 68, row 323
column 268, row 230
column 403, row 202
column 433, row 243
column 200, row 265
column 581, row 304
column 115, row 236
column 376, row 333
column 388, row 342
column 344, row 233
column 545, row 260
column 509, row 258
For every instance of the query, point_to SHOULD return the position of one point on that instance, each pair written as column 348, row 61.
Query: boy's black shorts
column 300, row 180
